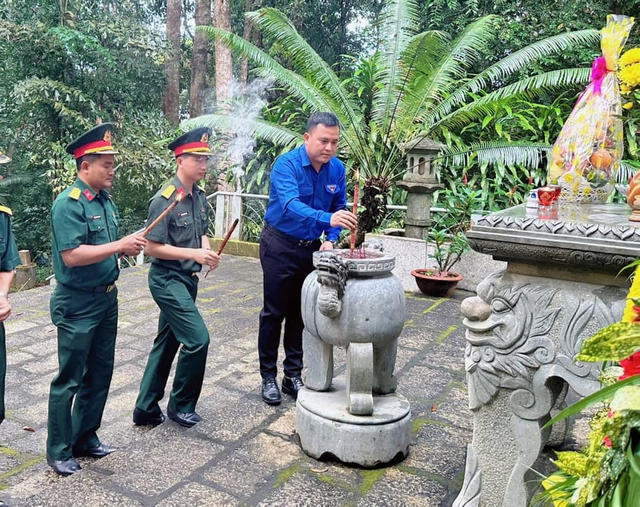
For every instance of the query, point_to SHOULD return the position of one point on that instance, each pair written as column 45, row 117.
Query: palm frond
column 296, row 84
column 305, row 60
column 626, row 171
column 247, row 127
column 515, row 62
column 525, row 88
column 291, row 81
column 400, row 23
column 496, row 152
column 518, row 60
column 433, row 87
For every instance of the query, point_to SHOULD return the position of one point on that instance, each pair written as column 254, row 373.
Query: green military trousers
column 3, row 368
column 87, row 324
column 180, row 324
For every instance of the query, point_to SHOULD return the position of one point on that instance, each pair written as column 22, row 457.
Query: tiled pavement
column 244, row 452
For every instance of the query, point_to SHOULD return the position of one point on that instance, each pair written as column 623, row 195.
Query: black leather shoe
column 99, row 451
column 186, row 419
column 142, row 418
column 64, row 466
column 291, row 386
column 270, row 391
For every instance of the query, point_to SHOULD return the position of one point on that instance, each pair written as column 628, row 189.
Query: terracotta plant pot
column 439, row 286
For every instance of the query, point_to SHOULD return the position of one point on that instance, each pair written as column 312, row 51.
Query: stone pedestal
column 524, row 329
column 327, row 428
column 358, row 304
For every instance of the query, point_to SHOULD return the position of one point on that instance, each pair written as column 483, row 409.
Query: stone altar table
column 524, row 328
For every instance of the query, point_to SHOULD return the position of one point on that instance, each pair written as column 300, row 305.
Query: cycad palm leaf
column 305, row 60
column 525, row 88
column 497, row 152
column 247, row 127
column 431, row 87
column 515, row 62
column 399, row 25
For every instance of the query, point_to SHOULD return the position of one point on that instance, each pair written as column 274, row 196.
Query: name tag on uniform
column 183, row 214
column 332, row 188
column 96, row 217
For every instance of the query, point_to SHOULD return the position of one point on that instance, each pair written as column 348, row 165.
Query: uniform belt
column 99, row 288
column 287, row 237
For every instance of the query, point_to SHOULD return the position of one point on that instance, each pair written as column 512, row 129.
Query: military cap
column 96, row 141
column 195, row 142
column 4, row 159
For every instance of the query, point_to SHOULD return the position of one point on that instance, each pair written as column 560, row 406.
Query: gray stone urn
column 358, row 304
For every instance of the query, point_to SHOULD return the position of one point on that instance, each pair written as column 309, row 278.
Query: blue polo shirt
column 301, row 200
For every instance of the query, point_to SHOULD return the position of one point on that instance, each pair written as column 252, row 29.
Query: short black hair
column 322, row 118
column 89, row 158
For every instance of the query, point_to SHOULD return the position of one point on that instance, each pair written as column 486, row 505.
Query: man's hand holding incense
column 207, row 257
column 132, row 244
column 345, row 219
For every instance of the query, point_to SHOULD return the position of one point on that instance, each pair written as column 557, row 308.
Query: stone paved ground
column 244, row 452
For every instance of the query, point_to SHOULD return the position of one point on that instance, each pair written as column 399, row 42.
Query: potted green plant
column 448, row 242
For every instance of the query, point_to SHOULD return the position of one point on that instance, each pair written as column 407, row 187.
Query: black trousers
column 285, row 265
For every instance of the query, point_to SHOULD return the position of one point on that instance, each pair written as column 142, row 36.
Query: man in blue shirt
column 307, row 198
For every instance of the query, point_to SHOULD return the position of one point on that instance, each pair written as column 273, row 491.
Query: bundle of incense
column 224, row 241
column 356, row 197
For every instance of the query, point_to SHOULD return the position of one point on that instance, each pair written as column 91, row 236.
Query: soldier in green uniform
column 180, row 248
column 84, row 304
column 9, row 259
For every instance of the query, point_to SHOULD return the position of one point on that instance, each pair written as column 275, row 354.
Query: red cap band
column 94, row 147
column 191, row 148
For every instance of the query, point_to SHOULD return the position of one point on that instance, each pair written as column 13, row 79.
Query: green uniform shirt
column 79, row 216
column 9, row 257
column 185, row 225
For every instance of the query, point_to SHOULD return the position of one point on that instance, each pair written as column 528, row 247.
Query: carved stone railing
column 525, row 328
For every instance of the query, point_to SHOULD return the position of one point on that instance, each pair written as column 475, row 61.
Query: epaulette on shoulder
column 168, row 192
column 75, row 193
column 6, row 210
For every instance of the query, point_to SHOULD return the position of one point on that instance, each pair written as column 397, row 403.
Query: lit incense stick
column 356, row 197
column 224, row 241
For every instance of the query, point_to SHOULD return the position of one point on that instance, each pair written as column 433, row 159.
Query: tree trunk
column 224, row 72
column 199, row 60
column 246, row 35
column 172, row 64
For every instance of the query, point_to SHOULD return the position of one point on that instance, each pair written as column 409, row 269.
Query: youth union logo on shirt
column 332, row 188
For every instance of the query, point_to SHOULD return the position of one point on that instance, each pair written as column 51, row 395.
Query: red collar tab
column 88, row 194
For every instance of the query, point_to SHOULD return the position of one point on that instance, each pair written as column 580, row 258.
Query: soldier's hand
column 207, row 257
column 132, row 244
column 327, row 245
column 344, row 219
column 5, row 308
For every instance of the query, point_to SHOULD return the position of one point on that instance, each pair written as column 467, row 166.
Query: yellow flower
column 634, row 293
column 568, row 178
column 587, row 191
column 630, row 75
column 628, row 105
column 629, row 57
column 624, row 89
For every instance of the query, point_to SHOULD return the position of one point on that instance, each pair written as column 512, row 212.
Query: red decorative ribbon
column 598, row 71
